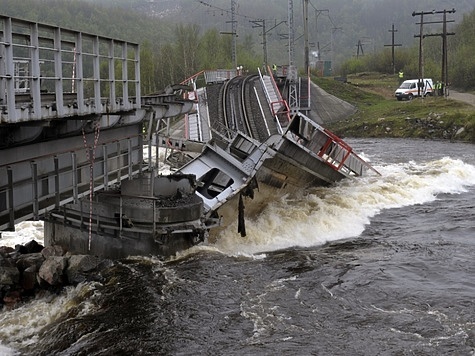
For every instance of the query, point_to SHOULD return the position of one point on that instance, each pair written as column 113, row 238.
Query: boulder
column 7, row 261
column 12, row 297
column 9, row 275
column 52, row 270
column 5, row 250
column 32, row 259
column 28, row 280
column 25, row 271
column 79, row 266
column 33, row 247
column 53, row 251
column 459, row 131
column 20, row 249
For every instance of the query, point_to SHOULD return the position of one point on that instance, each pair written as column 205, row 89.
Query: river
column 380, row 265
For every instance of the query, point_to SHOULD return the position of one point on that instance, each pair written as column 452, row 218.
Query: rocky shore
column 28, row 269
column 431, row 127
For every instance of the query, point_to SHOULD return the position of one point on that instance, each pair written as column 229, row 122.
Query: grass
column 379, row 114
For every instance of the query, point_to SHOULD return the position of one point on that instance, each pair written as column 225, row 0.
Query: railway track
column 242, row 110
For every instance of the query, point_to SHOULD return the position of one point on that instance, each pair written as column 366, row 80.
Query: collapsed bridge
column 72, row 143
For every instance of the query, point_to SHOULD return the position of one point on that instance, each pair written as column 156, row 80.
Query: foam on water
column 7, row 351
column 311, row 219
column 24, row 232
column 21, row 326
column 343, row 211
column 322, row 214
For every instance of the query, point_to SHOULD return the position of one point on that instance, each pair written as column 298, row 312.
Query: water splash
column 21, row 326
column 24, row 232
column 343, row 211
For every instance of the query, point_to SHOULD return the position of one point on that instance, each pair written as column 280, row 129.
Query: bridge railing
column 324, row 144
column 36, row 185
column 219, row 75
column 52, row 72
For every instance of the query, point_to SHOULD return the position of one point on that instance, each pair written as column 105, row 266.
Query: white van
column 408, row 89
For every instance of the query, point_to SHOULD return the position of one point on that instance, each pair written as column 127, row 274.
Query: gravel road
column 465, row 97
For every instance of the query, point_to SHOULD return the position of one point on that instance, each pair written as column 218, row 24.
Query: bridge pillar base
column 148, row 215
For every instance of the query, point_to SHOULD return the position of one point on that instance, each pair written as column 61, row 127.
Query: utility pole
column 319, row 56
column 392, row 45
column 291, row 32
column 292, row 75
column 262, row 23
column 233, row 32
column 421, row 49
column 359, row 46
column 444, row 34
column 305, row 31
column 444, row 75
column 334, row 29
column 318, row 13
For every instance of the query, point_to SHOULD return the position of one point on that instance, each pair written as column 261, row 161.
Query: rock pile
column 27, row 269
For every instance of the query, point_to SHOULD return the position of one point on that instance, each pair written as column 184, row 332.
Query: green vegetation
column 379, row 114
column 180, row 38
column 187, row 55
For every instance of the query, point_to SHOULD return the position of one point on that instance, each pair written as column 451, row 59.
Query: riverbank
column 379, row 114
column 28, row 269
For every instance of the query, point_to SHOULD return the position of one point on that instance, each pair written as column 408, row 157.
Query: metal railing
column 219, row 75
column 279, row 108
column 327, row 146
column 30, row 188
column 51, row 72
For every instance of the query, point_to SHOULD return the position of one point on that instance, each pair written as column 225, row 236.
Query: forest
column 179, row 38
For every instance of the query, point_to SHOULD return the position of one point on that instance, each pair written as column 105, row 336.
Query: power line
column 262, row 24
column 225, row 11
column 421, row 35
column 327, row 11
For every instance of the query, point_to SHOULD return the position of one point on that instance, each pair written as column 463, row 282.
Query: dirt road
column 465, row 97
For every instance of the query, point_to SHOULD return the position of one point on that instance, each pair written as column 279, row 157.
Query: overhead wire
column 227, row 11
column 328, row 14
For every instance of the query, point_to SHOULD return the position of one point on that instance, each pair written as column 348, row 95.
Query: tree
column 147, row 69
column 212, row 50
column 186, row 49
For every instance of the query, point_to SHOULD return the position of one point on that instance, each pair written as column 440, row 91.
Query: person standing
column 401, row 76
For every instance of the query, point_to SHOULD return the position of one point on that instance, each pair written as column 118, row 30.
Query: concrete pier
column 147, row 216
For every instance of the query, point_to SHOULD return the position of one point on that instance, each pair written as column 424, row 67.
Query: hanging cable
column 91, row 159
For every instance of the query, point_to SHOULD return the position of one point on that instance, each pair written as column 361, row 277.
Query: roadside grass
column 379, row 114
